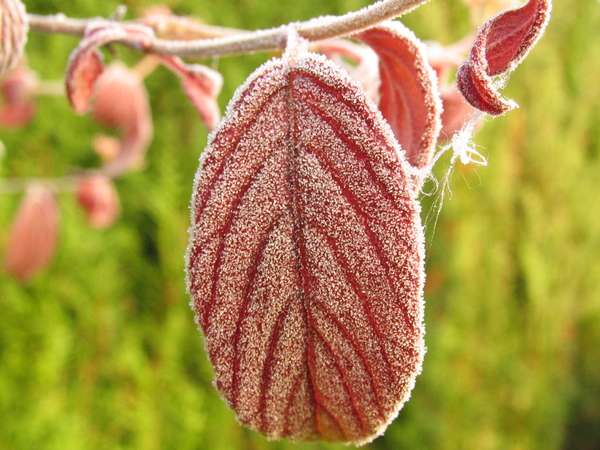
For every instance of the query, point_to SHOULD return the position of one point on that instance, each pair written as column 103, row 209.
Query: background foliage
column 101, row 351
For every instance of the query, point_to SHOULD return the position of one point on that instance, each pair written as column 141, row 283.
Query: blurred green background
column 100, row 351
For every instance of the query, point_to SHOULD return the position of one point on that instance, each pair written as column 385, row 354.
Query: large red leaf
column 409, row 98
column 501, row 44
column 305, row 262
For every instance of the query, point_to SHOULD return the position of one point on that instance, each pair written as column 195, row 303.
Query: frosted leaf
column 305, row 262
column 409, row 98
column 80, row 79
column 501, row 44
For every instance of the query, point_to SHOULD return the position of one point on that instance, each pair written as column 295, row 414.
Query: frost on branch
column 305, row 262
column 409, row 99
column 501, row 44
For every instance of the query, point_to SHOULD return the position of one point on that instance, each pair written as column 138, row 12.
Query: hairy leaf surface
column 305, row 262
column 501, row 44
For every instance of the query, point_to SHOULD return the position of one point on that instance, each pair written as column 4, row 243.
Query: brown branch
column 242, row 43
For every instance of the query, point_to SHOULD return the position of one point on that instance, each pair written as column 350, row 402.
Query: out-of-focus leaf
column 202, row 86
column 457, row 111
column 98, row 197
column 34, row 233
column 17, row 106
column 121, row 101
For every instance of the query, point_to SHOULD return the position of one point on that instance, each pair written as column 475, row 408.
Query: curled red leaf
column 85, row 63
column 13, row 33
column 202, row 86
column 409, row 99
column 34, row 233
column 305, row 263
column 501, row 44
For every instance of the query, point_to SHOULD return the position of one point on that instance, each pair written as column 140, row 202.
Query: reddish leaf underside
column 409, row 99
column 501, row 44
column 305, row 263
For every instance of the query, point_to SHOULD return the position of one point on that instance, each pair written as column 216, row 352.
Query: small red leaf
column 34, row 234
column 501, row 44
column 409, row 99
column 202, row 86
column 85, row 63
column 121, row 101
column 305, row 263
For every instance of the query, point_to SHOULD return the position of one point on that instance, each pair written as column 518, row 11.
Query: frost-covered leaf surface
column 501, row 44
column 409, row 99
column 305, row 262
